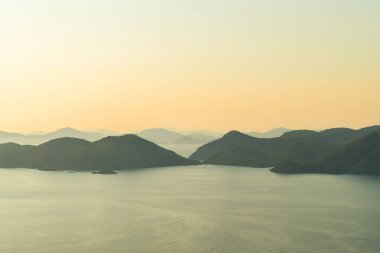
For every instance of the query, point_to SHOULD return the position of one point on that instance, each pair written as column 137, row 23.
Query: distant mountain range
column 194, row 139
column 156, row 135
column 39, row 138
column 111, row 153
column 276, row 132
column 338, row 150
column 183, row 143
column 164, row 136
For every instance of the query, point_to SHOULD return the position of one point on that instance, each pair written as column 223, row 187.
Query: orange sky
column 216, row 65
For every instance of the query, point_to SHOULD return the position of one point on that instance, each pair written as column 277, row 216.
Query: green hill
column 114, row 153
column 338, row 150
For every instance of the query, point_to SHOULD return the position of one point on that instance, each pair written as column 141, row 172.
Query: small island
column 104, row 172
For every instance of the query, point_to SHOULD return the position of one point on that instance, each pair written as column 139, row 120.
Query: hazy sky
column 189, row 64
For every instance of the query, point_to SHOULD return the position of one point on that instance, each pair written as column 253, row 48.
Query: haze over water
column 188, row 209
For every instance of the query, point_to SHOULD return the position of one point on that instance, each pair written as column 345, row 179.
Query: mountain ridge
column 273, row 133
column 67, row 153
column 301, row 147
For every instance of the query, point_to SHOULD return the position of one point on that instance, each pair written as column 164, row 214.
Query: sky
column 192, row 64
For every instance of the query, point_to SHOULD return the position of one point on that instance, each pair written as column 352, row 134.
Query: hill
column 160, row 135
column 38, row 138
column 163, row 136
column 194, row 139
column 276, row 132
column 113, row 153
column 236, row 148
column 302, row 150
column 361, row 156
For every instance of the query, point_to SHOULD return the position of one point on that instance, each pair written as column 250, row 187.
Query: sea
column 193, row 209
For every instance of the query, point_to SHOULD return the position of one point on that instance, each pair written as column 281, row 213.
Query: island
column 104, row 172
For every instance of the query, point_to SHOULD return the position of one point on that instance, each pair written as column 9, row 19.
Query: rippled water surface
column 188, row 209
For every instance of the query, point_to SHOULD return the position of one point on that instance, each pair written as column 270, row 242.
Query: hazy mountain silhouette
column 215, row 135
column 6, row 137
column 165, row 136
column 39, row 138
column 182, row 143
column 304, row 148
column 73, row 133
column 159, row 135
column 111, row 153
column 276, row 132
column 105, row 132
column 194, row 139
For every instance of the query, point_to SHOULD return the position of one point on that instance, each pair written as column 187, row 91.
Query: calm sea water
column 184, row 150
column 188, row 209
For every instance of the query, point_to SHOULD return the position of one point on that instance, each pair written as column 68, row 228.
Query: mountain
column 64, row 153
column 183, row 143
column 105, row 132
column 195, row 138
column 66, row 132
column 73, row 133
column 361, row 156
column 335, row 135
column 303, row 148
column 111, row 153
column 12, row 155
column 37, row 138
column 236, row 148
column 160, row 135
column 6, row 137
column 277, row 132
column 163, row 136
column 215, row 135
column 131, row 151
